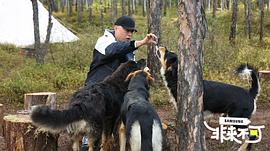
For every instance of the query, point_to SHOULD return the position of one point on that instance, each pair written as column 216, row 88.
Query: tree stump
column 46, row 98
column 264, row 74
column 1, row 119
column 21, row 135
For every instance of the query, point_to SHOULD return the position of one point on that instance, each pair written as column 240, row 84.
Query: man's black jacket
column 107, row 56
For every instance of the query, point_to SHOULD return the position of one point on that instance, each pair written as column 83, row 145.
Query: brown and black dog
column 92, row 110
column 143, row 129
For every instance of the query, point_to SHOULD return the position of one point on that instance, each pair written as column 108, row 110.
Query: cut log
column 1, row 119
column 45, row 98
column 264, row 74
column 21, row 135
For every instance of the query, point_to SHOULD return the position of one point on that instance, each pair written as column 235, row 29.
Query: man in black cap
column 114, row 48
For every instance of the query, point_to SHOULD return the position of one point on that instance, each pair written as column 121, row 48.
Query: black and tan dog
column 142, row 126
column 218, row 97
column 92, row 110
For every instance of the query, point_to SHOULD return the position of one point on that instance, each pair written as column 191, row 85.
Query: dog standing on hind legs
column 141, row 127
column 92, row 110
column 218, row 97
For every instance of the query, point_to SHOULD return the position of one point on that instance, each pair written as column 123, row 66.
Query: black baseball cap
column 126, row 22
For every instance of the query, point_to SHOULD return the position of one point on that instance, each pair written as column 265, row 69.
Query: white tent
column 17, row 27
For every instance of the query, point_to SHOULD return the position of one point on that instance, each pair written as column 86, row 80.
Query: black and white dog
column 141, row 123
column 218, row 97
column 92, row 110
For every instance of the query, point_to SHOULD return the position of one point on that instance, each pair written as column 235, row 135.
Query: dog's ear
column 149, row 77
column 131, row 75
column 146, row 69
column 162, row 48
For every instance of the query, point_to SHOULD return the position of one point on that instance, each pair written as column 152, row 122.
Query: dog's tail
column 247, row 70
column 157, row 136
column 55, row 120
column 144, row 135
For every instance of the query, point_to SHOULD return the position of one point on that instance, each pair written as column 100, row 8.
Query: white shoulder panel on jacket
column 104, row 41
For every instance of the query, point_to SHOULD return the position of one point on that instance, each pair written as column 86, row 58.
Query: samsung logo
column 233, row 121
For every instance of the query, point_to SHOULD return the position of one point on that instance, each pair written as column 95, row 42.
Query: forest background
column 66, row 64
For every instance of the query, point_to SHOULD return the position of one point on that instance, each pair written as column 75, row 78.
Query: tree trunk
column 54, row 5
column 39, row 58
column 90, row 11
column 1, row 119
column 79, row 11
column 221, row 5
column 48, row 35
column 192, row 25
column 209, row 5
column 261, row 3
column 86, row 4
column 226, row 4
column 164, row 7
column 268, row 6
column 143, row 7
column 69, row 8
column 234, row 22
column 82, row 5
column 41, row 51
column 113, row 10
column 245, row 17
column 101, row 2
column 124, row 12
column 21, row 135
column 134, row 6
column 214, row 8
column 153, row 18
column 129, row 8
column 62, row 5
column 249, row 19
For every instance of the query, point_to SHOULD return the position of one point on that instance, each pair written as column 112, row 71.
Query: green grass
column 66, row 65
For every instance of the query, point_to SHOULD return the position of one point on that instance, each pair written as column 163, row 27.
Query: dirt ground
column 261, row 117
